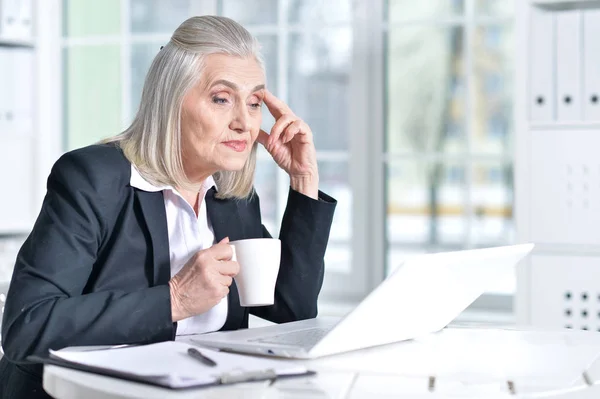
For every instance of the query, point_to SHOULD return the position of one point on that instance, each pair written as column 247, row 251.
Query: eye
column 219, row 100
column 256, row 105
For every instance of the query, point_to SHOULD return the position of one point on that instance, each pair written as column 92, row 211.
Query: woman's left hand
column 291, row 145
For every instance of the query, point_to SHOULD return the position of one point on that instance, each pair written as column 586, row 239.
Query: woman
column 124, row 250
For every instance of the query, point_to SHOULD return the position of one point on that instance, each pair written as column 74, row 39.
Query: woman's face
column 221, row 116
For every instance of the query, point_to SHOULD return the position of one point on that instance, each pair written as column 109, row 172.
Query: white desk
column 467, row 362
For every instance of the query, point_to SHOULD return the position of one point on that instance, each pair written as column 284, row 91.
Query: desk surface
column 534, row 361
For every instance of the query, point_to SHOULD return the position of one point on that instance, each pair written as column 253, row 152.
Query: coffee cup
column 259, row 260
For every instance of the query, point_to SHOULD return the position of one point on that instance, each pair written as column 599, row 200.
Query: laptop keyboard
column 302, row 338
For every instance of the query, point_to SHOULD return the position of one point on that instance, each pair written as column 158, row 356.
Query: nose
column 241, row 121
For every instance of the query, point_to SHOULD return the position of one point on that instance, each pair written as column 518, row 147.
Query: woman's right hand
column 203, row 281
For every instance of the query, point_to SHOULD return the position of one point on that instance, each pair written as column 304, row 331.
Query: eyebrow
column 233, row 86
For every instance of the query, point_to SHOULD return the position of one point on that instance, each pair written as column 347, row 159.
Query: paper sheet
column 169, row 363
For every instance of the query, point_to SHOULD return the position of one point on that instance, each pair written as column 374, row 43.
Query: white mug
column 259, row 260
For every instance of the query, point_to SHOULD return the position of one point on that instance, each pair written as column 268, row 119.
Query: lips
column 236, row 145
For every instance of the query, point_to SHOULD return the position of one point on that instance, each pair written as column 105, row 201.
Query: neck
column 196, row 176
column 195, row 173
column 193, row 195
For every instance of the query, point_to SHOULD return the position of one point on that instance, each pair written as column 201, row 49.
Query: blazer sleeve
column 45, row 308
column 304, row 234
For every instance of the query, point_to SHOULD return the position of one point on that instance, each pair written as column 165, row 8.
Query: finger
column 304, row 134
column 225, row 280
column 224, row 291
column 229, row 268
column 263, row 138
column 291, row 131
column 276, row 106
column 221, row 251
column 224, row 240
column 278, row 128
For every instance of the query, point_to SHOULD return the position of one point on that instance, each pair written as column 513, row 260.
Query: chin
column 233, row 165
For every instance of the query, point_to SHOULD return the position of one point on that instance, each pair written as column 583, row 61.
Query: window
column 448, row 147
column 410, row 104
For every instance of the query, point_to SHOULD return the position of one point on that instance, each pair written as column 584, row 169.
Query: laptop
column 422, row 296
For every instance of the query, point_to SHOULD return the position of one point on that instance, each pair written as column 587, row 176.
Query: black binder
column 165, row 381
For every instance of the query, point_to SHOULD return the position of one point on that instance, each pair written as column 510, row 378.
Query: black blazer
column 95, row 268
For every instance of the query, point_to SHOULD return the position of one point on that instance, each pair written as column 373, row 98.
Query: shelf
column 9, row 42
column 565, row 126
column 560, row 5
column 566, row 249
column 16, row 230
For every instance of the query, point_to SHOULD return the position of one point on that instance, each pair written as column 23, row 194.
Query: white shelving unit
column 557, row 172
column 17, row 136
column 566, row 4
column 9, row 42
column 27, row 152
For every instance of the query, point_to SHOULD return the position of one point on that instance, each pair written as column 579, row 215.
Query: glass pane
column 338, row 259
column 493, row 89
column 495, row 7
column 9, row 248
column 265, row 183
column 158, row 16
column 493, row 223
column 319, row 11
column 333, row 181
column 268, row 49
column 142, row 55
column 319, row 84
column 492, row 199
column 396, row 254
column 90, row 18
column 269, row 52
column 425, row 203
column 255, row 12
column 93, row 94
column 399, row 10
column 425, row 89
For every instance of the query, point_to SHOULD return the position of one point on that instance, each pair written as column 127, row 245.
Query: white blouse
column 188, row 234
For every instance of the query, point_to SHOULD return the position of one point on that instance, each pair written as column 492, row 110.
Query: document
column 168, row 364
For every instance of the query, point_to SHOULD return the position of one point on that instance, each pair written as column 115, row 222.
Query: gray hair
column 153, row 140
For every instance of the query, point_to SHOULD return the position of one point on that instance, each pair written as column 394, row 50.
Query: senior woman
column 131, row 242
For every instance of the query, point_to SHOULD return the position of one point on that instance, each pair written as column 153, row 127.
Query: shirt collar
column 138, row 181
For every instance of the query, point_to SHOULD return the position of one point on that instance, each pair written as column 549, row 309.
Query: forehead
column 244, row 72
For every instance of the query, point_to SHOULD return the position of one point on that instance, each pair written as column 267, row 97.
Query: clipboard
column 162, row 365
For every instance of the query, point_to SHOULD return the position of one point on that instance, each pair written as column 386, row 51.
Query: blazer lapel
column 155, row 215
column 225, row 219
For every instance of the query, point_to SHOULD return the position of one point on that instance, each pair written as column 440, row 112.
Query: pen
column 195, row 353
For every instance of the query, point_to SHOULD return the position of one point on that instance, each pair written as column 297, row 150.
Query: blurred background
column 411, row 104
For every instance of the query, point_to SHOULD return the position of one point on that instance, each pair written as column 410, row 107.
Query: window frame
column 367, row 157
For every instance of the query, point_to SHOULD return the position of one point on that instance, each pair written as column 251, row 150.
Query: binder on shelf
column 11, row 85
column 6, row 18
column 3, row 93
column 541, row 73
column 17, row 94
column 168, row 365
column 568, row 66
column 591, row 65
column 560, row 5
column 16, row 19
column 23, row 90
column 6, row 94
